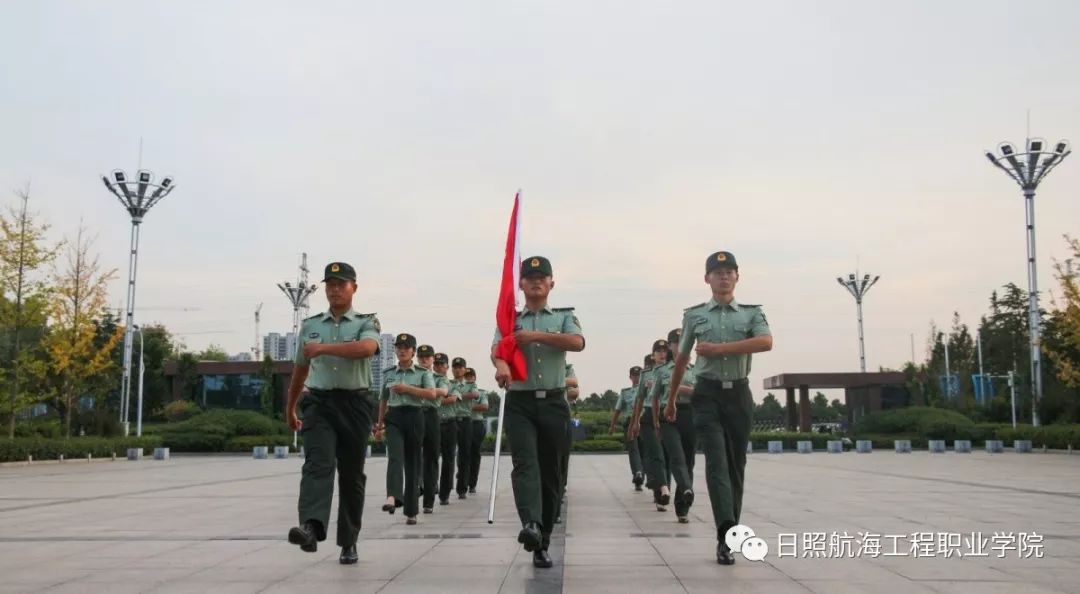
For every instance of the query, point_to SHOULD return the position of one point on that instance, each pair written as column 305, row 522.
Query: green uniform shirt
column 713, row 322
column 446, row 412
column 463, row 408
column 625, row 403
column 328, row 372
column 479, row 416
column 546, row 366
column 440, row 382
column 662, row 379
column 644, row 385
column 413, row 376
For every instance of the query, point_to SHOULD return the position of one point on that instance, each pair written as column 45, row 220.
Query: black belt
column 722, row 384
column 537, row 393
column 339, row 392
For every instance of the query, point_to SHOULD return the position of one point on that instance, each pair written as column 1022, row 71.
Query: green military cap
column 470, row 371
column 635, row 370
column 425, row 350
column 674, row 335
column 442, row 359
column 339, row 270
column 405, row 340
column 459, row 362
column 721, row 260
column 536, row 265
column 660, row 345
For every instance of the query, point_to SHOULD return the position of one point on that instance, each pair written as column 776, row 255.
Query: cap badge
column 721, row 257
column 335, row 268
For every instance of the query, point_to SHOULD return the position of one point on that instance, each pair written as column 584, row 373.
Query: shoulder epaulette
column 367, row 315
column 318, row 315
column 562, row 309
column 389, row 369
column 703, row 304
column 749, row 305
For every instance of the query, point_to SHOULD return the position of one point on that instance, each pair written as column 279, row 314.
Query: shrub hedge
column 19, row 449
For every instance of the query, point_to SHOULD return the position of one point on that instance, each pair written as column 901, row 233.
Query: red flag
column 506, row 310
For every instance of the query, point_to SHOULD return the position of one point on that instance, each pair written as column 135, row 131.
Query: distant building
column 240, row 357
column 280, row 347
column 383, row 359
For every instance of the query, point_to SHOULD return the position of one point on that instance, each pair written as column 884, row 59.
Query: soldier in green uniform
column 572, row 394
column 405, row 388
column 468, row 394
column 447, row 425
column 679, row 439
column 333, row 362
column 432, row 431
column 536, row 411
column 646, row 424
column 625, row 406
column 478, row 431
column 727, row 334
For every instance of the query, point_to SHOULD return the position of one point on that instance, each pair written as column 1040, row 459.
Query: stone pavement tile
column 422, row 578
column 81, row 587
column 619, row 580
column 356, row 586
column 185, row 587
column 855, row 570
column 203, row 554
column 615, row 559
column 953, row 569
column 1050, row 577
column 221, row 574
column 965, row 587
column 699, row 586
column 136, row 575
column 523, row 578
column 611, row 545
column 469, row 552
column 846, row 587
column 38, row 576
column 18, row 555
column 708, row 569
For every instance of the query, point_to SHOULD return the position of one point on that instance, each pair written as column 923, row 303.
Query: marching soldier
column 648, row 428
column 333, row 362
column 572, row 393
column 432, row 430
column 726, row 334
column 477, row 408
column 406, row 386
column 625, row 406
column 448, row 426
column 468, row 394
column 679, row 439
column 536, row 412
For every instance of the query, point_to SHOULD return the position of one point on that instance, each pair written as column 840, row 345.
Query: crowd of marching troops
column 423, row 414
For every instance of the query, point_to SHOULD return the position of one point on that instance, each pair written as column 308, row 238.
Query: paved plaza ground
column 218, row 524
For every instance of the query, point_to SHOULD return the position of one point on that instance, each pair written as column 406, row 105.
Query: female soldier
column 406, row 387
column 679, row 438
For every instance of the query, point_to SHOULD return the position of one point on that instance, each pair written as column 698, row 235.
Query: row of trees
column 59, row 342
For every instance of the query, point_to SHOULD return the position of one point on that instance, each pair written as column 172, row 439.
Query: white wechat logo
column 743, row 539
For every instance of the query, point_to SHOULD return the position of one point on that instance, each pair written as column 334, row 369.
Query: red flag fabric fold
column 506, row 310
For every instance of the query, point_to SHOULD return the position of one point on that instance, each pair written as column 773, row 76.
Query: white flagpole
column 505, row 395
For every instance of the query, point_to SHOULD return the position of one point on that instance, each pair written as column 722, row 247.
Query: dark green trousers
column 680, row 443
column 633, row 450
column 430, row 456
column 464, row 443
column 336, row 427
column 447, row 443
column 536, row 429
column 404, row 438
column 656, row 473
column 723, row 417
column 476, row 440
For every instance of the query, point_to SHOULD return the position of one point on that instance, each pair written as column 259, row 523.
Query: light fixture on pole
column 298, row 297
column 1028, row 169
column 134, row 197
column 859, row 287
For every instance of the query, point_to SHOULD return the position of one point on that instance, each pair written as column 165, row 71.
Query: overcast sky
column 803, row 137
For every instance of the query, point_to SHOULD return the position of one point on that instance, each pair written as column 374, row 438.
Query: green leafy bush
column 193, row 441
column 44, row 427
column 912, row 420
column 77, row 447
column 180, row 410
column 597, row 445
column 761, row 439
column 1058, row 437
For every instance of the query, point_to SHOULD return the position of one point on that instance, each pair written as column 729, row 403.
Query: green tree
column 605, row 401
column 24, row 252
column 266, row 392
column 79, row 298
column 212, row 353
column 187, row 377
column 770, row 409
